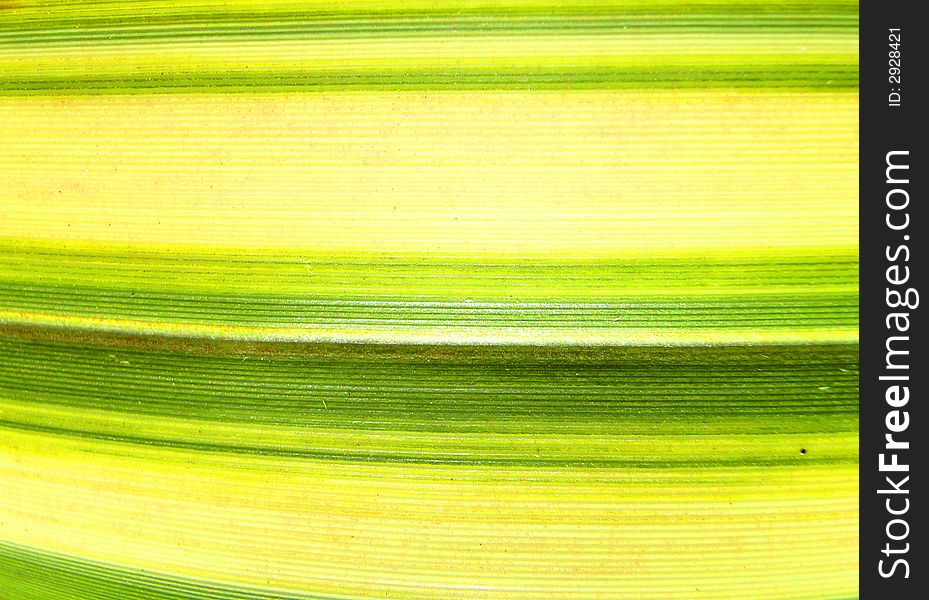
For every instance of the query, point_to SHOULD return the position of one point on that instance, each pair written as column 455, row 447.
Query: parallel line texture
column 416, row 299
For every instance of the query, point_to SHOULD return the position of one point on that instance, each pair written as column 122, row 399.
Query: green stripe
column 31, row 574
column 95, row 13
column 459, row 388
column 775, row 292
column 784, row 312
column 807, row 73
column 427, row 278
column 458, row 26
column 772, row 400
column 821, row 50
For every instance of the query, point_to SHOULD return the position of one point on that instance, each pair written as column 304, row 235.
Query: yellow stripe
column 630, row 173
column 525, row 532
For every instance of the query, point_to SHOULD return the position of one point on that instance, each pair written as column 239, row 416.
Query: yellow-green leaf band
column 409, row 299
